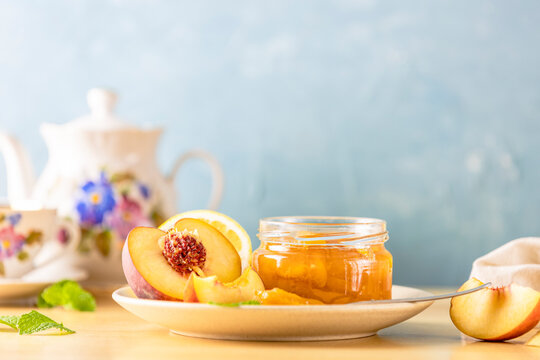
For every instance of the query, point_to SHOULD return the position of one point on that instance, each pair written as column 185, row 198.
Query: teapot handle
column 215, row 168
column 20, row 174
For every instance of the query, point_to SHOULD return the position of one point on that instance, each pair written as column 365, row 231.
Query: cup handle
column 215, row 168
column 55, row 252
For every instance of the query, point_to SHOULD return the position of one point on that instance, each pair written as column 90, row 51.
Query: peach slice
column 210, row 289
column 278, row 296
column 495, row 314
column 151, row 276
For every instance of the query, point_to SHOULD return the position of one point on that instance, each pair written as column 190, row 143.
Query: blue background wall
column 424, row 113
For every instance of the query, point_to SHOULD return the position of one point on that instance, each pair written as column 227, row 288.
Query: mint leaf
column 236, row 304
column 69, row 294
column 53, row 295
column 41, row 303
column 10, row 321
column 33, row 322
column 79, row 299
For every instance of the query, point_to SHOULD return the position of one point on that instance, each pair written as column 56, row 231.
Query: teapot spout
column 20, row 173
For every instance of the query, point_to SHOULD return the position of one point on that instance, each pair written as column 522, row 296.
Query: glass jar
column 333, row 259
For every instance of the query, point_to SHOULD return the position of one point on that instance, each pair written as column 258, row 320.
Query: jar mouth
column 322, row 229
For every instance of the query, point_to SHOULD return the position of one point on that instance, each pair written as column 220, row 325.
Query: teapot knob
column 101, row 101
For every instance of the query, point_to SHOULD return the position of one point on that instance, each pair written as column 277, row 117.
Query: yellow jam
column 338, row 271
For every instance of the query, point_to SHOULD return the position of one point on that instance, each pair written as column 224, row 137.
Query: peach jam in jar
column 337, row 260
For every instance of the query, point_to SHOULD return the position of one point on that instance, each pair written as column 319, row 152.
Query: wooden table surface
column 113, row 333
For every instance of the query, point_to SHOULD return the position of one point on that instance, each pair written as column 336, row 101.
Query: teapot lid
column 101, row 102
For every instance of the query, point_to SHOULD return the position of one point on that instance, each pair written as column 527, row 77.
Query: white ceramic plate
column 274, row 323
column 32, row 283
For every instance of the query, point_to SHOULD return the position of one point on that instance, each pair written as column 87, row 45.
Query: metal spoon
column 425, row 298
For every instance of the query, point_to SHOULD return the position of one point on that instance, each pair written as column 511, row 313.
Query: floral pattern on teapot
column 13, row 243
column 109, row 207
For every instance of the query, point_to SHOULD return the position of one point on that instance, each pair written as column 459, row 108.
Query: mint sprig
column 33, row 322
column 236, row 304
column 69, row 294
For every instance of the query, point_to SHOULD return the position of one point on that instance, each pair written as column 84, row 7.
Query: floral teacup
column 30, row 238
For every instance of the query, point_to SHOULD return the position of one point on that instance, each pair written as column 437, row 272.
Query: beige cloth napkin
column 517, row 261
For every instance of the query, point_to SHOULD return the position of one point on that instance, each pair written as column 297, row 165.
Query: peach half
column 211, row 289
column 154, row 273
column 495, row 314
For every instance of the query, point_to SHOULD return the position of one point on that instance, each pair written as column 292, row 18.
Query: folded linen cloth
column 516, row 261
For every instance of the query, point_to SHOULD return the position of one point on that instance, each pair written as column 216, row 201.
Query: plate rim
column 120, row 298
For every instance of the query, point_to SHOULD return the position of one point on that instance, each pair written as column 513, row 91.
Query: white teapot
column 102, row 174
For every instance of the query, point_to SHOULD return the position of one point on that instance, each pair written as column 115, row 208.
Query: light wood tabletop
column 113, row 333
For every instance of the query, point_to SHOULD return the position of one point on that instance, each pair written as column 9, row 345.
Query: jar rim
column 331, row 229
